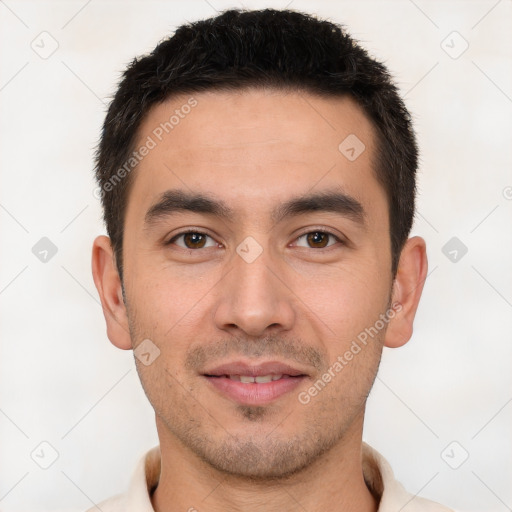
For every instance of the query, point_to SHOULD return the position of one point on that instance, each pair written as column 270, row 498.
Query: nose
column 255, row 298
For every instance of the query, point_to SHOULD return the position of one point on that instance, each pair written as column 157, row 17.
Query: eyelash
column 328, row 233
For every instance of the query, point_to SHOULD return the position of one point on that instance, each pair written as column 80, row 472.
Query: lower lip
column 254, row 393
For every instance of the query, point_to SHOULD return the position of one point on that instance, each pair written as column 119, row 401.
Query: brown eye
column 318, row 239
column 192, row 240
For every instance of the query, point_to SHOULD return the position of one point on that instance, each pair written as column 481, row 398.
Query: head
column 257, row 173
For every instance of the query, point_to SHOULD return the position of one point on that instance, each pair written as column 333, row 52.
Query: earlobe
column 108, row 284
column 407, row 288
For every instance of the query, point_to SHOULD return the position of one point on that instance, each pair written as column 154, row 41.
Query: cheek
column 166, row 388
column 165, row 298
column 344, row 300
column 169, row 311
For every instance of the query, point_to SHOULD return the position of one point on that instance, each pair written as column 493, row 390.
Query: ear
column 108, row 284
column 407, row 288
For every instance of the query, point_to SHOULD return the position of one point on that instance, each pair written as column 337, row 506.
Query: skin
column 297, row 302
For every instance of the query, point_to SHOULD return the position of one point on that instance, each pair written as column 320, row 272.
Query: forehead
column 255, row 145
column 243, row 116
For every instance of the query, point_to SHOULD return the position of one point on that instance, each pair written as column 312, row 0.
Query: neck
column 333, row 482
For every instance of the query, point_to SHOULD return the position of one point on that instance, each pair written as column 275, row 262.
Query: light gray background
column 63, row 383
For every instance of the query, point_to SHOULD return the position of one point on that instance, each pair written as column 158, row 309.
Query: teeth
column 261, row 379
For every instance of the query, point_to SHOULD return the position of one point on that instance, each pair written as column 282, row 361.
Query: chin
column 264, row 459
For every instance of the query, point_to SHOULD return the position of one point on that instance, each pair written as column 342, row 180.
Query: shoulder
column 381, row 481
column 137, row 497
column 114, row 504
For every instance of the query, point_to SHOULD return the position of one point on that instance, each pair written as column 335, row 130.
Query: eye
column 192, row 240
column 318, row 239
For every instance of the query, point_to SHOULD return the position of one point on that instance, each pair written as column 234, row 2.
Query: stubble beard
column 266, row 453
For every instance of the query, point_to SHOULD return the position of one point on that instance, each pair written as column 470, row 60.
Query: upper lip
column 254, row 370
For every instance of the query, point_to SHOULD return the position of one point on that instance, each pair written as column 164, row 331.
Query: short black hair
column 281, row 49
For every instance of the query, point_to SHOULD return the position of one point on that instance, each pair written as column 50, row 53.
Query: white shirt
column 377, row 473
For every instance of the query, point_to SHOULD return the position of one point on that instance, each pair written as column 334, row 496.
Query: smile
column 254, row 384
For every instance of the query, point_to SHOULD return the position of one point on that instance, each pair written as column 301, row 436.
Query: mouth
column 254, row 384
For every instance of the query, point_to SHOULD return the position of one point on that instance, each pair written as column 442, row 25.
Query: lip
column 254, row 370
column 254, row 393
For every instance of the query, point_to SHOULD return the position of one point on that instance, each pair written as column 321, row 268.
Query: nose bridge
column 252, row 276
column 253, row 298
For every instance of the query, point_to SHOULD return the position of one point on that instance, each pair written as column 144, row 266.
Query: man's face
column 263, row 291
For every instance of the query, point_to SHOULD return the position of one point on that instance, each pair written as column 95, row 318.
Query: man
column 257, row 172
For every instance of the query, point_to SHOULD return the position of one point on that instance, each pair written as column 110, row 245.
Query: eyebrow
column 173, row 201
